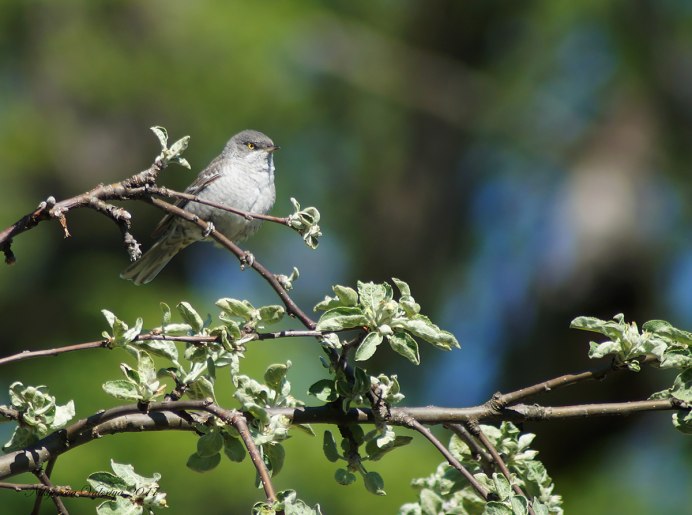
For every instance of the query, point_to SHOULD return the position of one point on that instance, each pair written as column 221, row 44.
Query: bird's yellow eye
column 251, row 146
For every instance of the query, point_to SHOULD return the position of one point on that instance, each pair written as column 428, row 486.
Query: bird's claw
column 210, row 229
column 247, row 260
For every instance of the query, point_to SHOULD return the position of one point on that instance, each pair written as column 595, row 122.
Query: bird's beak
column 273, row 149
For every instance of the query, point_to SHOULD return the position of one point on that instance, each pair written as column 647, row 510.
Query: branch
column 291, row 307
column 45, row 480
column 596, row 374
column 195, row 340
column 414, row 424
column 21, row 356
column 240, row 422
column 475, row 430
column 162, row 416
column 62, row 491
column 50, row 209
column 168, row 193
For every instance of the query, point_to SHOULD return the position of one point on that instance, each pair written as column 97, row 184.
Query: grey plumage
column 242, row 176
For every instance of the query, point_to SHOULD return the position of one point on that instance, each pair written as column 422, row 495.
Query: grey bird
column 242, row 176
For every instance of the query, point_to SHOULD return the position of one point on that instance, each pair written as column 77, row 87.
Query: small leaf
column 190, row 316
column 203, row 463
column 347, row 296
column 340, row 318
column 368, row 346
column 374, row 483
column 276, row 454
column 162, row 136
column 324, row 390
column 179, row 146
column 344, row 477
column 209, row 444
column 271, row 314
column 239, row 308
column 329, row 447
column 166, row 314
column 404, row 344
column 122, row 389
column 402, row 286
column 275, row 375
column 233, row 448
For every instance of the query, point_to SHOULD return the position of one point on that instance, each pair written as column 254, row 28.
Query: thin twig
column 21, row 356
column 479, row 488
column 39, row 498
column 105, row 344
column 596, row 374
column 474, row 428
column 45, row 480
column 169, row 193
column 50, row 209
column 62, row 491
column 478, row 452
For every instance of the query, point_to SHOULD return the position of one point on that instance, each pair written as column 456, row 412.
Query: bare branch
column 479, row 488
column 169, row 193
column 45, row 480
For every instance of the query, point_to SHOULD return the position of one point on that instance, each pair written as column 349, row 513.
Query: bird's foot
column 247, row 260
column 210, row 229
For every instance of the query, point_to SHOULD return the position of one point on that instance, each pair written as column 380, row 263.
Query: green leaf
column 404, row 344
column 374, row 483
column 375, row 453
column 430, row 502
column 165, row 349
column 347, row 296
column 682, row 386
column 368, row 346
column 329, row 447
column 179, row 146
column 502, row 486
column 682, row 420
column 210, row 444
column 271, row 314
column 372, row 295
column 106, row 482
column 344, row 477
column 165, row 314
column 276, row 455
column 190, row 316
column 275, row 375
column 203, row 463
column 233, row 448
column 340, row 318
column 324, row 390
column 497, row 508
column 239, row 308
column 162, row 135
column 122, row 389
column 421, row 326
column 119, row 506
column 403, row 287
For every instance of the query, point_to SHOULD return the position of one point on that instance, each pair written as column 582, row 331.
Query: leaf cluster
column 447, row 491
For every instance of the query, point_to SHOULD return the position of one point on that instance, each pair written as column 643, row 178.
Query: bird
column 242, row 177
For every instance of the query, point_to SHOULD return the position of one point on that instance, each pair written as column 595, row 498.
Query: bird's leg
column 247, row 260
column 210, row 229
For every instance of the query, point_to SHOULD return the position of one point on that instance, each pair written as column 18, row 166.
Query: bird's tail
column 152, row 262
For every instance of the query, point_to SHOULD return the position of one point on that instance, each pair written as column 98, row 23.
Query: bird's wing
column 206, row 177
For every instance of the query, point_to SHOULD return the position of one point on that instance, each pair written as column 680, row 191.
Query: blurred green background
column 518, row 163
